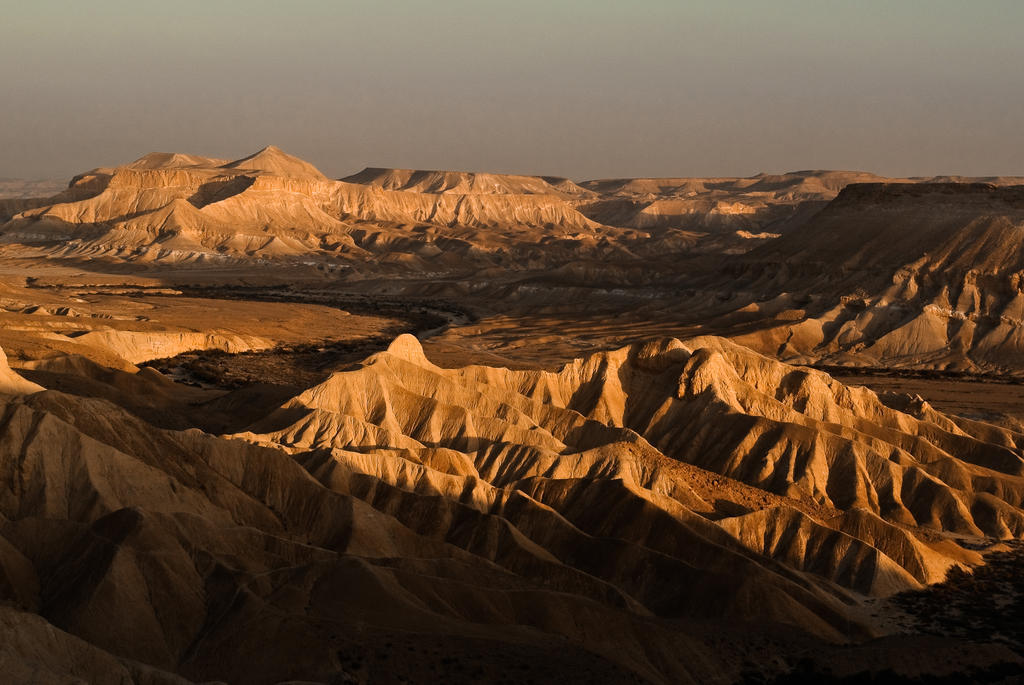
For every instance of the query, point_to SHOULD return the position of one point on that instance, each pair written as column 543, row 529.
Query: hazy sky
column 581, row 88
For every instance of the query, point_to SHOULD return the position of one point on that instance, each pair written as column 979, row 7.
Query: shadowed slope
column 485, row 511
column 635, row 414
column 919, row 275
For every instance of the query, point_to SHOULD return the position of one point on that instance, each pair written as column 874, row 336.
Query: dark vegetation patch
column 810, row 672
column 973, row 624
column 923, row 374
column 300, row 366
column 303, row 364
column 985, row 606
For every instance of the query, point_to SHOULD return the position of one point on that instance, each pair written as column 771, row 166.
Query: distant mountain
column 274, row 160
column 819, row 266
column 467, row 183
column 925, row 274
column 267, row 205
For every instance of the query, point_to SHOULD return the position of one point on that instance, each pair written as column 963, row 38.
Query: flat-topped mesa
column 466, row 182
column 173, row 160
column 775, row 203
column 534, row 211
column 882, row 226
column 719, row 205
column 823, row 184
column 961, row 193
column 830, row 179
column 918, row 275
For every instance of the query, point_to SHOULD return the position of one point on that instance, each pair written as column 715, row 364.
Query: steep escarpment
column 806, row 184
column 373, row 203
column 758, row 203
column 899, row 274
column 931, row 227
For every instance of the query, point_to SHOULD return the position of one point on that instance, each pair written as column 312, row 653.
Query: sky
column 578, row 88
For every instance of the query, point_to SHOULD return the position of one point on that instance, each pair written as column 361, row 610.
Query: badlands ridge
column 401, row 518
column 838, row 268
column 606, row 454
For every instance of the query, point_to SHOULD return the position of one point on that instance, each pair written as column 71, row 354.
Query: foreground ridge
column 681, row 495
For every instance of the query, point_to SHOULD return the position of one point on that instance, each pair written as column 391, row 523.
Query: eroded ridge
column 653, row 508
